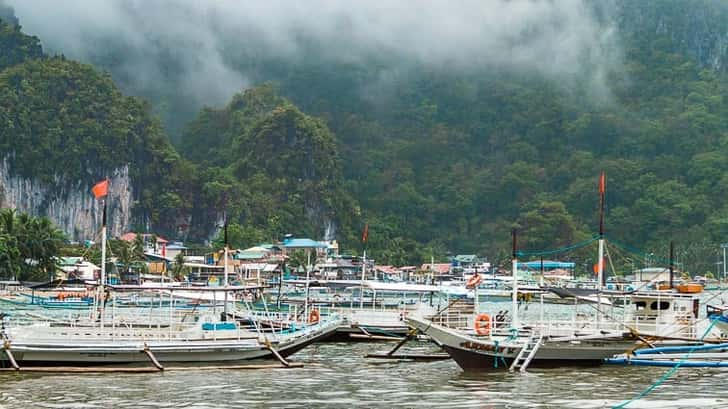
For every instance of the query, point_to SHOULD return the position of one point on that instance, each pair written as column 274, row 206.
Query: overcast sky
column 556, row 38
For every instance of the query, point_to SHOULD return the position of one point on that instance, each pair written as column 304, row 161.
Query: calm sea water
column 336, row 375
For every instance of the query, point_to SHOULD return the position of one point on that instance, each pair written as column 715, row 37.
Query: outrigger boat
column 486, row 343
column 108, row 338
column 370, row 310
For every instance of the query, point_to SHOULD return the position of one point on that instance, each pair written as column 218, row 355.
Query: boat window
column 663, row 305
column 640, row 305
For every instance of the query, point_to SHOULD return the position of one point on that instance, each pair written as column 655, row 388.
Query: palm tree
column 179, row 270
column 30, row 245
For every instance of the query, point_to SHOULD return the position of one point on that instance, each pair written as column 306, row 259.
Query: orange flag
column 101, row 189
column 365, row 234
column 602, row 183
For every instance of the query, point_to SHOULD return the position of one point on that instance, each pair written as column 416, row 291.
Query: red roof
column 131, row 236
column 440, row 268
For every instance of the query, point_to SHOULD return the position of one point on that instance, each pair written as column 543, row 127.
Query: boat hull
column 89, row 352
column 487, row 354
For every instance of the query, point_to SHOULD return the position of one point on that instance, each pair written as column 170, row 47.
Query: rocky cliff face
column 72, row 206
column 698, row 29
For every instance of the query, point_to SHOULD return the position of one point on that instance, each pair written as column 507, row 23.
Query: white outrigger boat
column 111, row 337
column 370, row 310
column 116, row 337
column 485, row 343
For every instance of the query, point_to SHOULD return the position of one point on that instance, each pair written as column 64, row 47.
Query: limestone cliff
column 72, row 206
column 696, row 28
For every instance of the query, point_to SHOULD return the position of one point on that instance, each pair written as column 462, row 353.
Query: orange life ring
column 482, row 324
column 61, row 296
column 313, row 317
column 473, row 281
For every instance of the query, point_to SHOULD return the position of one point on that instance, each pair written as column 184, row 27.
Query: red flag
column 101, row 189
column 365, row 234
column 602, row 183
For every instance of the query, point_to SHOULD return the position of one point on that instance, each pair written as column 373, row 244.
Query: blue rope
column 667, row 374
column 495, row 361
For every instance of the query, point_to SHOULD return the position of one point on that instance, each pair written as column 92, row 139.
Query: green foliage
column 16, row 47
column 65, row 124
column 272, row 168
column 28, row 246
column 434, row 160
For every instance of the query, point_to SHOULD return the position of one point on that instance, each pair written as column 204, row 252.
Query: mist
column 202, row 48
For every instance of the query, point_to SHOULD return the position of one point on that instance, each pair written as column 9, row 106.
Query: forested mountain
column 65, row 126
column 440, row 158
column 270, row 167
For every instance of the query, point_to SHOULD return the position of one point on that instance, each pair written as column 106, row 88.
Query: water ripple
column 336, row 375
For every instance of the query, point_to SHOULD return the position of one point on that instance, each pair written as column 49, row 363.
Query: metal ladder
column 526, row 354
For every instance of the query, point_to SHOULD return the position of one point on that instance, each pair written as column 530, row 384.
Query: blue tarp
column 303, row 243
column 547, row 264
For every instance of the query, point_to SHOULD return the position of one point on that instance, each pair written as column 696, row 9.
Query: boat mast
column 225, row 272
column 363, row 277
column 514, row 320
column 102, row 292
column 364, row 238
column 600, row 260
column 672, row 255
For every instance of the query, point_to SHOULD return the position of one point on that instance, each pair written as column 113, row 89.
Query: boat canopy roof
column 547, row 264
column 230, row 288
column 370, row 284
column 400, row 287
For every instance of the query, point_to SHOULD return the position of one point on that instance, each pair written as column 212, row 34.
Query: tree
column 29, row 246
column 179, row 270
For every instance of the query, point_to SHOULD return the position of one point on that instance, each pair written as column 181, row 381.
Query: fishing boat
column 370, row 310
column 107, row 338
column 485, row 341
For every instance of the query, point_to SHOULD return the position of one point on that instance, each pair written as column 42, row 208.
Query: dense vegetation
column 436, row 161
column 270, row 168
column 28, row 246
column 66, row 124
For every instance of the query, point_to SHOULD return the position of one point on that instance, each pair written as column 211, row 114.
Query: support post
column 152, row 358
column 514, row 320
column 363, row 277
column 102, row 278
column 276, row 354
column 672, row 255
column 225, row 274
column 11, row 358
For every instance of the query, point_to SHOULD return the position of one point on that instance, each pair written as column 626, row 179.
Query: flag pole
column 225, row 274
column 364, row 237
column 102, row 278
column 600, row 260
column 514, row 296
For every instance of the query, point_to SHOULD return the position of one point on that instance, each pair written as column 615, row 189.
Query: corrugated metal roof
column 304, row 243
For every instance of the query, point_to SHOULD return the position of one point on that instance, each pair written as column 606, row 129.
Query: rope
column 667, row 374
column 638, row 252
column 575, row 246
